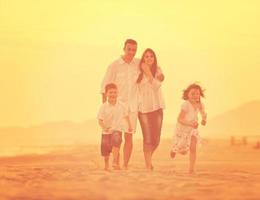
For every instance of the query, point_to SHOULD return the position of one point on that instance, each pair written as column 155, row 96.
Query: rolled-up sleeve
column 108, row 78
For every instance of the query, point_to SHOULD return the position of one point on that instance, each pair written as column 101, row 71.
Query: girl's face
column 148, row 58
column 194, row 95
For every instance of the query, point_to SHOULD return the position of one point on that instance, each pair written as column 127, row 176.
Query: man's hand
column 160, row 77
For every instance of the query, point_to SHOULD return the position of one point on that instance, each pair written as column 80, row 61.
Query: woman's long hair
column 153, row 68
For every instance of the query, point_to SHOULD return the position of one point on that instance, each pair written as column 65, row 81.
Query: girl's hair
column 153, row 68
column 192, row 86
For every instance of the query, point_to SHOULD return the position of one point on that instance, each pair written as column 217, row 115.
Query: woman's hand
column 147, row 71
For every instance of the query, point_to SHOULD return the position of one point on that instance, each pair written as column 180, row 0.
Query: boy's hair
column 192, row 86
column 130, row 41
column 110, row 86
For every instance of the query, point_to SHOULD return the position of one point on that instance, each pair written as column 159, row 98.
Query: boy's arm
column 102, row 125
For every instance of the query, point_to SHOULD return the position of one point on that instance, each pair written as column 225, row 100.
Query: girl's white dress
column 182, row 135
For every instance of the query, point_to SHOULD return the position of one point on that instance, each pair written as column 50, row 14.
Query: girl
column 186, row 133
column 151, row 104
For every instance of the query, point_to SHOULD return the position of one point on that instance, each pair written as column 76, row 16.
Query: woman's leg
column 146, row 126
column 156, row 118
column 193, row 153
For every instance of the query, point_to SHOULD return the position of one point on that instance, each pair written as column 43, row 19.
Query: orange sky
column 53, row 54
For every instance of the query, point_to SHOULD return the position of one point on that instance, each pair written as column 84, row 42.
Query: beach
column 222, row 172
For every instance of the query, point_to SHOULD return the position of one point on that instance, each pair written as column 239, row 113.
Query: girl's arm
column 181, row 120
column 203, row 114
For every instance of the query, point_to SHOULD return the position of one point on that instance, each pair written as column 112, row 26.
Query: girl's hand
column 194, row 124
column 203, row 122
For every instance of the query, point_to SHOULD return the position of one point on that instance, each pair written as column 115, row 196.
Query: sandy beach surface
column 222, row 172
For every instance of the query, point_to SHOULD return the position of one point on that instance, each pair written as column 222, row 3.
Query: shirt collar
column 121, row 61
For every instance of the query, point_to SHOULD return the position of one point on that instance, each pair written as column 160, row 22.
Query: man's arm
column 108, row 78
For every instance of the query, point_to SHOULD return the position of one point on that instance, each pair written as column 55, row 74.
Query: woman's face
column 148, row 58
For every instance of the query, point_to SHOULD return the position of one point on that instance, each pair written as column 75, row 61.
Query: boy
column 110, row 118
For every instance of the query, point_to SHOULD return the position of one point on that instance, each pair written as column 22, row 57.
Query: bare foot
column 125, row 167
column 107, row 169
column 116, row 167
column 183, row 152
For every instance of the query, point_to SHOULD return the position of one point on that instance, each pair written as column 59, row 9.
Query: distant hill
column 241, row 121
column 53, row 133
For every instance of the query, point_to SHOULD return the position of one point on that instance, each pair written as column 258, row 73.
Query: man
column 124, row 73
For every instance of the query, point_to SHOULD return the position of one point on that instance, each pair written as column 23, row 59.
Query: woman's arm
column 147, row 71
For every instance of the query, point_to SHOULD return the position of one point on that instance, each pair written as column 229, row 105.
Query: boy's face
column 194, row 95
column 130, row 50
column 111, row 94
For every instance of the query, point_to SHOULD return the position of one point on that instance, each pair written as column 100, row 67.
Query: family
column 131, row 89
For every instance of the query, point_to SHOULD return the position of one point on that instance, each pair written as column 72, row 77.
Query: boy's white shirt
column 113, row 116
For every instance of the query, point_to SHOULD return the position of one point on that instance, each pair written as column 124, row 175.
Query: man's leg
column 128, row 147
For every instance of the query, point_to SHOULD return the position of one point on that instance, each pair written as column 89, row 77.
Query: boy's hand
column 106, row 129
column 130, row 129
column 203, row 122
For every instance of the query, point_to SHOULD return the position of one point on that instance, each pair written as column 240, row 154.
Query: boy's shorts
column 110, row 140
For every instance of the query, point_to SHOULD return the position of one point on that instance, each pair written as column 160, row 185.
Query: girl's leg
column 193, row 153
column 146, row 127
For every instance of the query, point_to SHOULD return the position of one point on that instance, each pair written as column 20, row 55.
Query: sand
column 222, row 172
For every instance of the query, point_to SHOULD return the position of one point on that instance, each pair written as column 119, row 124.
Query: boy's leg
column 106, row 149
column 116, row 143
column 193, row 152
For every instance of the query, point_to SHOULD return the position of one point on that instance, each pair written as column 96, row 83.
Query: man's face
column 130, row 50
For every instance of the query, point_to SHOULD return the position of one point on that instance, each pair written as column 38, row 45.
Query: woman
column 151, row 104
